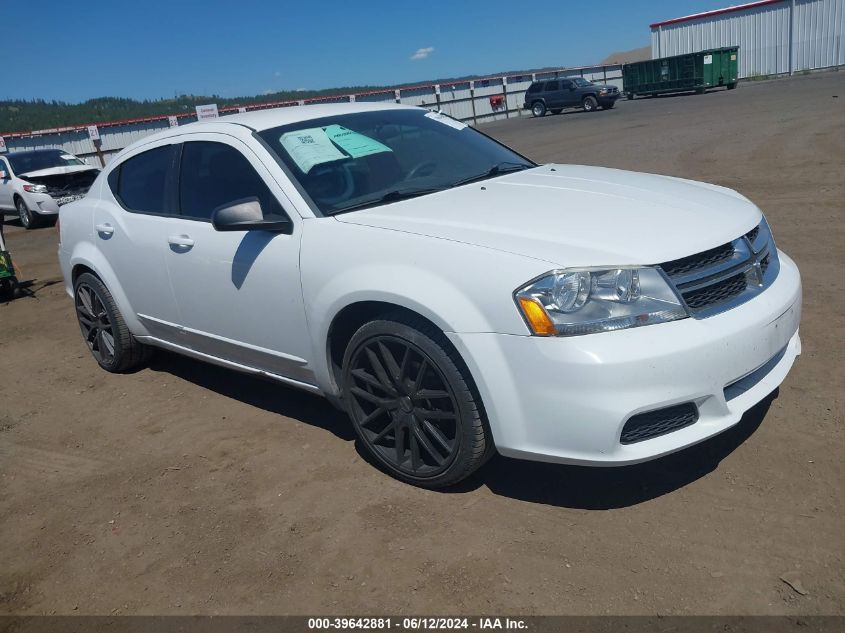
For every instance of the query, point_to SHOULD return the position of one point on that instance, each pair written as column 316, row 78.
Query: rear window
column 140, row 183
column 535, row 87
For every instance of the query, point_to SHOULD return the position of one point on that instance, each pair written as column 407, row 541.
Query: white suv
column 452, row 296
column 34, row 184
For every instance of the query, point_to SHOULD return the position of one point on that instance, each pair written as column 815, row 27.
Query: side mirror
column 247, row 215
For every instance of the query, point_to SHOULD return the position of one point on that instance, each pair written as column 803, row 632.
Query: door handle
column 105, row 228
column 180, row 240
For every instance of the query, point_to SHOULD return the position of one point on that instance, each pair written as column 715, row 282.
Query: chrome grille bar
column 724, row 277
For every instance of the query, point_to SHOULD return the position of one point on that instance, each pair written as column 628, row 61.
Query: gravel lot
column 184, row 488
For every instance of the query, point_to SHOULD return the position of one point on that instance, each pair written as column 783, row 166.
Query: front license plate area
column 65, row 199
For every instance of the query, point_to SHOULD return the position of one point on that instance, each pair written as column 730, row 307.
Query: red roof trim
column 709, row 14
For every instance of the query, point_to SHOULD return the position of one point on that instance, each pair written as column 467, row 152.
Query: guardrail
column 473, row 101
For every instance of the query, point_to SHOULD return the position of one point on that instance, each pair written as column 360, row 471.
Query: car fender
column 84, row 253
column 457, row 286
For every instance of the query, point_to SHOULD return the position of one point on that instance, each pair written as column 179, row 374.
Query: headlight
column 35, row 188
column 603, row 91
column 573, row 302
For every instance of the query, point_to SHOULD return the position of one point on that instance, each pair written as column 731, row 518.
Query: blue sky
column 74, row 51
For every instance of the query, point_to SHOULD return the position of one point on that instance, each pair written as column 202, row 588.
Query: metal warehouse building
column 774, row 36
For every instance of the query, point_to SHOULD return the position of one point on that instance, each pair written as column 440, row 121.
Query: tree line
column 37, row 114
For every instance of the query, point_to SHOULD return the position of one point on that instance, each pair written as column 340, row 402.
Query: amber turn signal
column 536, row 316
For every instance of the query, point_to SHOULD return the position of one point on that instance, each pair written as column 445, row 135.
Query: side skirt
column 151, row 340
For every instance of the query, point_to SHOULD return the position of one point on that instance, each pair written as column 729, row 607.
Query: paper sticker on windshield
column 446, row 120
column 353, row 143
column 310, row 147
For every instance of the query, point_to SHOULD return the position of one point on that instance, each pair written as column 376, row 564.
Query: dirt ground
column 184, row 488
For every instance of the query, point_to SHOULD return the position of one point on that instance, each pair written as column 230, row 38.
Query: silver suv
column 34, row 184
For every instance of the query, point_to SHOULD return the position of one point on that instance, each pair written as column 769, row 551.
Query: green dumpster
column 682, row 73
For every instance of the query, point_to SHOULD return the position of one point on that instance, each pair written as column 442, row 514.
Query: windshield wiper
column 390, row 196
column 496, row 170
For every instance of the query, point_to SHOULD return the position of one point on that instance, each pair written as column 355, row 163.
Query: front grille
column 723, row 277
column 716, row 293
column 645, row 426
column 701, row 260
column 752, row 234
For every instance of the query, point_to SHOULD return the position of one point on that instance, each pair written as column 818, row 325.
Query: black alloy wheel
column 95, row 324
column 411, row 406
column 105, row 332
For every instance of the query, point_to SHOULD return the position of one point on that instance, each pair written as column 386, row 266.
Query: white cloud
column 422, row 53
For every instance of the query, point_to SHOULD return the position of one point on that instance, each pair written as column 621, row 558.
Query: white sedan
column 455, row 298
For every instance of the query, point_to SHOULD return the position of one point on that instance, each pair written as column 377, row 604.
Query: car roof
column 35, row 152
column 260, row 120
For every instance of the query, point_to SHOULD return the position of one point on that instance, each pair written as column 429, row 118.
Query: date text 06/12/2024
column 418, row 623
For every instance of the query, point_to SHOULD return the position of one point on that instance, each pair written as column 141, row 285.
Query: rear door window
column 551, row 86
column 141, row 183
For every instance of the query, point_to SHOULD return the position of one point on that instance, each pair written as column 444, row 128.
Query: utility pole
column 791, row 35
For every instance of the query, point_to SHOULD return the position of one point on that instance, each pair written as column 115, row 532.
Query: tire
column 412, row 402
column 630, row 96
column 29, row 220
column 556, row 110
column 589, row 103
column 732, row 86
column 103, row 328
column 538, row 109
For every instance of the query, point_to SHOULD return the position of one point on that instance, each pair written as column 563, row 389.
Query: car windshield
column 581, row 82
column 26, row 162
column 351, row 161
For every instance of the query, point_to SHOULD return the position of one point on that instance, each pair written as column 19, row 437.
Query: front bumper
column 40, row 203
column 567, row 399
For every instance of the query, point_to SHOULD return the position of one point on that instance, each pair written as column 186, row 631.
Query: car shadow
column 601, row 488
column 255, row 391
column 576, row 487
column 571, row 111
column 688, row 93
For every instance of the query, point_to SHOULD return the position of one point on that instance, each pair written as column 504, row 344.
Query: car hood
column 57, row 171
column 573, row 215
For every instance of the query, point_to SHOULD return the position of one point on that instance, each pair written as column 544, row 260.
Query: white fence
column 475, row 102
